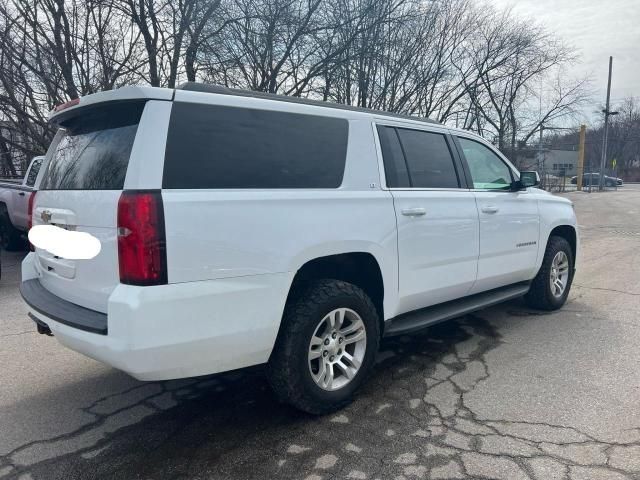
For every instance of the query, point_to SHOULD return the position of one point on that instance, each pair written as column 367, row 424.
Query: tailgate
column 84, row 282
column 79, row 191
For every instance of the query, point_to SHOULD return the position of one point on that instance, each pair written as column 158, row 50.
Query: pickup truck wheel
column 10, row 238
column 550, row 288
column 326, row 347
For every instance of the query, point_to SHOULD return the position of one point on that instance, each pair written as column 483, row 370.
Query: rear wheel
column 550, row 288
column 326, row 347
column 10, row 237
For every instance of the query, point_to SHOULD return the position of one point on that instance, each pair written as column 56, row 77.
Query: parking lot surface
column 506, row 393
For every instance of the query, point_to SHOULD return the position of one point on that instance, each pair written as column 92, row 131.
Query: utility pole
column 580, row 169
column 541, row 168
column 607, row 114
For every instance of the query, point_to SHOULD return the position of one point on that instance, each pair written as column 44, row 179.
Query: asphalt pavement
column 505, row 393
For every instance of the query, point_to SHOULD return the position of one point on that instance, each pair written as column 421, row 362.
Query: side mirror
column 529, row 179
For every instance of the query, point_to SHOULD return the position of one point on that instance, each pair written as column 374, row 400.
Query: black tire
column 10, row 237
column 540, row 295
column 288, row 369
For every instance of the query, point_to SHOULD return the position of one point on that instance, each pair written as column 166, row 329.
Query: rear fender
column 384, row 256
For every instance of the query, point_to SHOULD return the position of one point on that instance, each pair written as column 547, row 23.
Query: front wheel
column 326, row 347
column 550, row 288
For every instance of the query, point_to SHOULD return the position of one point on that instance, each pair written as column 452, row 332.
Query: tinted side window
column 92, row 149
column 33, row 172
column 429, row 159
column 211, row 146
column 488, row 171
column 395, row 168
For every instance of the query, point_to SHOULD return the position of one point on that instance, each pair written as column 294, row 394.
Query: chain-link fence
column 590, row 182
column 557, row 164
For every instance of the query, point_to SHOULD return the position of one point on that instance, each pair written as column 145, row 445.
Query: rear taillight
column 142, row 251
column 32, row 199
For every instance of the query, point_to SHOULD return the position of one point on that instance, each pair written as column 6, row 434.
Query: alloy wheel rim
column 559, row 275
column 337, row 348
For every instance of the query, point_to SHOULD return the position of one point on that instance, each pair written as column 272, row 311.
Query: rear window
column 429, row 159
column 33, row 172
column 211, row 146
column 92, row 149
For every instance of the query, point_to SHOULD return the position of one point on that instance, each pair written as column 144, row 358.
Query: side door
column 436, row 215
column 509, row 220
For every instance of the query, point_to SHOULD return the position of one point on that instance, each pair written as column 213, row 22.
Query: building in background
column 562, row 163
column 548, row 161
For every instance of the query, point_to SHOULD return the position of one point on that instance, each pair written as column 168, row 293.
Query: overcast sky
column 597, row 28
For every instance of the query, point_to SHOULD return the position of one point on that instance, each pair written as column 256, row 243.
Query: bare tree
column 519, row 60
column 452, row 60
column 51, row 51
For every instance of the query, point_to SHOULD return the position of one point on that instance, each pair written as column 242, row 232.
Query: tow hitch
column 42, row 327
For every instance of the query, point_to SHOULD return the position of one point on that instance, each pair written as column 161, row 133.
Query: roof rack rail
column 221, row 90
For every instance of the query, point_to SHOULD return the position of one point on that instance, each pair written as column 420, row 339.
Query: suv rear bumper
column 175, row 330
column 60, row 310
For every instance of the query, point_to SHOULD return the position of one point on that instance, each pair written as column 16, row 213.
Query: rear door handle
column 490, row 209
column 21, row 194
column 413, row 212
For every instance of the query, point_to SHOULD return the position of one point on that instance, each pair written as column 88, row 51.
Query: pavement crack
column 17, row 334
column 427, row 428
column 613, row 290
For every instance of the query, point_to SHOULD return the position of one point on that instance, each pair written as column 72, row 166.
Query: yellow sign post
column 580, row 168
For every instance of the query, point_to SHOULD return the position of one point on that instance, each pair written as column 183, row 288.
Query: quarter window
column 488, row 171
column 213, row 146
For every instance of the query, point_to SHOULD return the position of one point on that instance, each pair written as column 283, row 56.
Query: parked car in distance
column 240, row 228
column 14, row 206
column 594, row 179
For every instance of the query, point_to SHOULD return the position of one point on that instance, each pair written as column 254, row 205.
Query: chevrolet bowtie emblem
column 45, row 216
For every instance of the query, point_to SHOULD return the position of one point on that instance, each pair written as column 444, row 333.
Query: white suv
column 239, row 228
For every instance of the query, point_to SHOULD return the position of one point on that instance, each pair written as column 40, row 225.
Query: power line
column 625, row 98
column 633, row 140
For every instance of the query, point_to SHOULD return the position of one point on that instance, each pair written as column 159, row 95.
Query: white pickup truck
column 14, row 206
column 239, row 228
